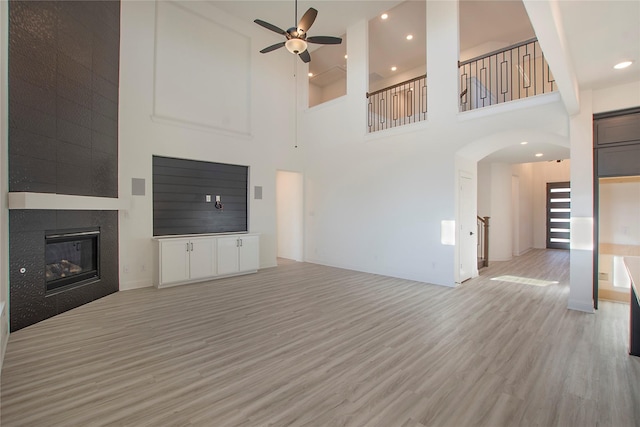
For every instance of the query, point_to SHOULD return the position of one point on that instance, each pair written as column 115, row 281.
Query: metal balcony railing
column 515, row 72
column 397, row 105
column 504, row 75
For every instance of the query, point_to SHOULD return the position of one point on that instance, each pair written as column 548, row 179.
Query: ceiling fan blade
column 305, row 56
column 307, row 20
column 269, row 26
column 324, row 40
column 272, row 47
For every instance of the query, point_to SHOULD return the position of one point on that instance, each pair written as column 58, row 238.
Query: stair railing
column 483, row 241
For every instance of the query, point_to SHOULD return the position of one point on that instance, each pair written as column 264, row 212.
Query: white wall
column 619, row 213
column 375, row 202
column 262, row 136
column 524, row 172
column 290, row 215
column 500, row 230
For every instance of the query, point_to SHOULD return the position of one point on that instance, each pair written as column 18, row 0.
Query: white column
column 442, row 60
column 581, row 270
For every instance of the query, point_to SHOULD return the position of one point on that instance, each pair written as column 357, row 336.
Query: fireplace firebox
column 72, row 258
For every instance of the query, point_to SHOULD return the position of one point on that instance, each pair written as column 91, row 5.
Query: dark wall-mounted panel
column 180, row 190
column 618, row 161
column 63, row 97
column 614, row 130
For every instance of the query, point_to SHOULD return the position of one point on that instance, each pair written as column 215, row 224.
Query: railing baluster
column 489, row 79
column 397, row 105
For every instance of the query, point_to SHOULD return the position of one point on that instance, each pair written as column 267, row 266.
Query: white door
column 468, row 229
column 174, row 260
column 228, row 255
column 202, row 258
column 249, row 253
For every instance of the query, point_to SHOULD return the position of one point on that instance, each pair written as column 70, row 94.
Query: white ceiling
column 598, row 35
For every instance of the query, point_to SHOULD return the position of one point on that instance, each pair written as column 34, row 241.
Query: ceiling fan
column 297, row 39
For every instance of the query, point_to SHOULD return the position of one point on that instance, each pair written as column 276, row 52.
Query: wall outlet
column 217, row 198
column 207, row 198
column 603, row 276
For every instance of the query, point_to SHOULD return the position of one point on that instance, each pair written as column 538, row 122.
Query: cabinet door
column 174, row 260
column 249, row 253
column 202, row 262
column 228, row 255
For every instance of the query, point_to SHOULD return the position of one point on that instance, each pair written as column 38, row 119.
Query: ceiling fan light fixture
column 296, row 46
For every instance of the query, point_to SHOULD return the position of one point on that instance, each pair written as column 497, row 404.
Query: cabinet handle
column 187, row 246
column 191, row 246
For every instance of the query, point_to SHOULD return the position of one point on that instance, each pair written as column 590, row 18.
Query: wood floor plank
column 310, row 345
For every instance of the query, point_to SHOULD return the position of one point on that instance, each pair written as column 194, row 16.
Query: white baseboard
column 135, row 284
column 585, row 306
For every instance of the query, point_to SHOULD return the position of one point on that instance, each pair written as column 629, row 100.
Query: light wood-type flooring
column 310, row 345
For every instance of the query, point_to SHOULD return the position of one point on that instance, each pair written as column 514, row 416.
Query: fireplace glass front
column 71, row 258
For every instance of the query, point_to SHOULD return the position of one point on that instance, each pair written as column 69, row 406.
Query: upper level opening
column 397, row 65
column 500, row 59
column 328, row 73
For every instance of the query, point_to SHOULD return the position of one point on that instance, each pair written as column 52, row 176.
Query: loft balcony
column 516, row 72
column 512, row 73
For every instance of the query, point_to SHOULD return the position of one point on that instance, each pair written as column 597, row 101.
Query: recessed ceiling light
column 409, row 36
column 622, row 65
column 384, row 16
column 524, row 143
column 310, row 74
column 394, row 68
column 539, row 154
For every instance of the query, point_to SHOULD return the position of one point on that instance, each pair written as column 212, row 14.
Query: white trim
column 504, row 107
column 135, row 284
column 25, row 200
column 586, row 307
column 177, row 121
column 199, row 126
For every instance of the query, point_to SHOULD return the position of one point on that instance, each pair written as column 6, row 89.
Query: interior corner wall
column 524, row 172
column 500, row 230
column 4, row 186
column 262, row 137
column 484, row 189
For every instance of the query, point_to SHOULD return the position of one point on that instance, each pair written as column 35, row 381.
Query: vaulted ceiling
column 598, row 34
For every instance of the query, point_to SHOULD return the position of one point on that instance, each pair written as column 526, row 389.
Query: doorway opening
column 558, row 215
column 618, row 234
column 289, row 216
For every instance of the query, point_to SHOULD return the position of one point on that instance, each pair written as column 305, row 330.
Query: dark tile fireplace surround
column 63, row 139
column 30, row 301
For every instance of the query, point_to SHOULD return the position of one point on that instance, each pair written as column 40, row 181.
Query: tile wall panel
column 63, row 86
column 63, row 138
